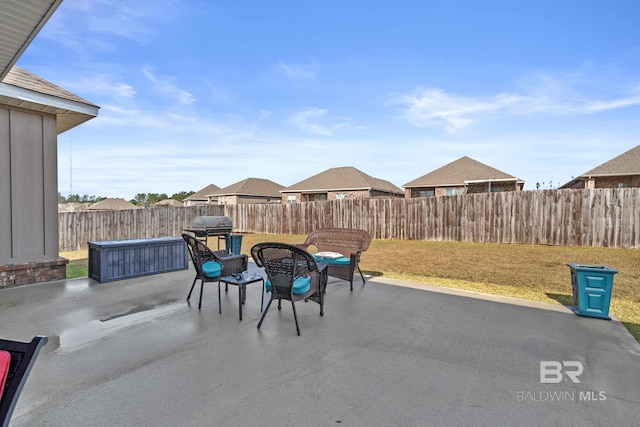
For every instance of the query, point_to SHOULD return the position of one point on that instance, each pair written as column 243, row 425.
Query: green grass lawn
column 77, row 268
column 531, row 272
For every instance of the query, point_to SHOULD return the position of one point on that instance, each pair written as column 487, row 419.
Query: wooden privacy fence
column 608, row 217
column 75, row 229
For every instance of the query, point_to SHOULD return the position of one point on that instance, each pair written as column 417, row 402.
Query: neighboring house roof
column 627, row 163
column 459, row 172
column 23, row 89
column 112, row 205
column 21, row 21
column 202, row 194
column 342, row 179
column 170, row 202
column 251, row 187
column 73, row 207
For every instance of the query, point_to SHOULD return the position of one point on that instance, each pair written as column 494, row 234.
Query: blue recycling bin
column 233, row 243
column 592, row 286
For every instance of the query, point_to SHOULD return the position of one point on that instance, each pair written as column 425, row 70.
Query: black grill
column 205, row 226
column 211, row 225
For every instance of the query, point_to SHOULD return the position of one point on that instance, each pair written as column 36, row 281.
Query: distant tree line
column 76, row 198
column 146, row 199
column 141, row 199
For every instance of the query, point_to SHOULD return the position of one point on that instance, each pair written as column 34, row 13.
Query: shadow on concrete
column 566, row 300
column 372, row 273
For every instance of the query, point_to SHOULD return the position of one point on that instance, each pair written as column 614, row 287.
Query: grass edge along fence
column 606, row 217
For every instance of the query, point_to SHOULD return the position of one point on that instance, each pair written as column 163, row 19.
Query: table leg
column 240, row 289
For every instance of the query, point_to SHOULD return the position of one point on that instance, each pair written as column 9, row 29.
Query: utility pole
column 70, row 170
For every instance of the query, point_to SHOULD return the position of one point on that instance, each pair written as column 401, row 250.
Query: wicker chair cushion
column 328, row 255
column 211, row 269
column 339, row 261
column 5, row 361
column 300, row 285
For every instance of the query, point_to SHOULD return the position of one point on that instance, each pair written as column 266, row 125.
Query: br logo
column 553, row 372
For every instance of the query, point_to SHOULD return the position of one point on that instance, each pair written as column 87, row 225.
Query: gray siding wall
column 28, row 187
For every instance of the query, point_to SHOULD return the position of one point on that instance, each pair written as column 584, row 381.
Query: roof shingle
column 22, row 78
column 343, row 178
column 251, row 187
column 112, row 204
column 202, row 194
column 457, row 172
column 627, row 163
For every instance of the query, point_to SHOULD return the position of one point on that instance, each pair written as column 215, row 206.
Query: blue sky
column 195, row 92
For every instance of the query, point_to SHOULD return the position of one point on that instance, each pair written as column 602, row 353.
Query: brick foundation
column 32, row 272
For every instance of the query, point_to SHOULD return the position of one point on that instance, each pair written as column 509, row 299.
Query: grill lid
column 220, row 224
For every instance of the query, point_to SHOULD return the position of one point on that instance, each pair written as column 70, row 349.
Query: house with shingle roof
column 73, row 207
column 250, row 190
column 339, row 184
column 173, row 203
column 201, row 197
column 462, row 176
column 619, row 172
column 36, row 111
column 112, row 204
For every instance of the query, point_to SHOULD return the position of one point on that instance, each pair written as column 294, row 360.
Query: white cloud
column 100, row 85
column 168, row 122
column 90, row 27
column 297, row 71
column 614, row 104
column 215, row 93
column 433, row 107
column 264, row 114
column 575, row 94
column 165, row 86
column 317, row 121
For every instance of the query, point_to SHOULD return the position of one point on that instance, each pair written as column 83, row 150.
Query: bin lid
column 593, row 268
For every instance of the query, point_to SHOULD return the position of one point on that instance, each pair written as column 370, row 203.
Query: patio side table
column 242, row 283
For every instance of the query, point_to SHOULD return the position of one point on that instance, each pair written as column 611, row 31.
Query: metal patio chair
column 292, row 274
column 211, row 265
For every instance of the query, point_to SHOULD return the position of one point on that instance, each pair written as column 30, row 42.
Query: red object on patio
column 22, row 356
column 5, row 361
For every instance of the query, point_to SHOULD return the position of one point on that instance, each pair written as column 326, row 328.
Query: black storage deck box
column 122, row 259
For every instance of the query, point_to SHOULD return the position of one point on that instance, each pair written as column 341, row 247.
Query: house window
column 498, row 189
column 453, row 191
column 291, row 199
column 320, row 198
column 426, row 193
column 622, row 185
column 341, row 196
column 222, row 200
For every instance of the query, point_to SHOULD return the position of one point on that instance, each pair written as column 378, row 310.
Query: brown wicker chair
column 292, row 274
column 200, row 254
column 346, row 241
column 22, row 356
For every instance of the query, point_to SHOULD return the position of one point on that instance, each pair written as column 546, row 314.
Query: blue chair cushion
column 211, row 269
column 339, row 261
column 300, row 285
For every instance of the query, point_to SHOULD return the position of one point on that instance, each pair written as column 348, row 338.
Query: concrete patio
column 133, row 352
